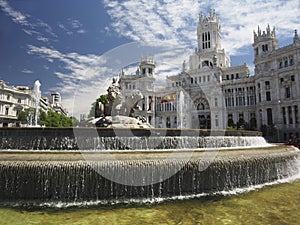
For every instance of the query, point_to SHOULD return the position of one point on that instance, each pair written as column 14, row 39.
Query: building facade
column 210, row 93
column 13, row 99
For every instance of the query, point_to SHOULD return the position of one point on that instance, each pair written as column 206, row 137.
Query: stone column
column 293, row 115
column 287, row 115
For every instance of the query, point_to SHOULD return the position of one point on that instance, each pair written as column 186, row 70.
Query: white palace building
column 210, row 93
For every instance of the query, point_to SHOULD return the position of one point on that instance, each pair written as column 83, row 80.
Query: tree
column 95, row 109
column 27, row 116
column 49, row 119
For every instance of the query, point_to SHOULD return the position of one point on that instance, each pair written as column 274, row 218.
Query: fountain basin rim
column 44, row 156
column 53, row 151
column 122, row 132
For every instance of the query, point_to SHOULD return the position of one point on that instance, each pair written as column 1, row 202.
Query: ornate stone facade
column 215, row 94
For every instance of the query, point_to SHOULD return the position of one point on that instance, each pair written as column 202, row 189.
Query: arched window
column 206, row 40
column 207, row 63
column 200, row 106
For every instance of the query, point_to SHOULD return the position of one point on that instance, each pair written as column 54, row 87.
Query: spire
column 262, row 34
column 268, row 30
column 296, row 37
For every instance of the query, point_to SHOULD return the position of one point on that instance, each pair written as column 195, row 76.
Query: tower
column 209, row 32
column 209, row 53
column 147, row 67
column 264, row 43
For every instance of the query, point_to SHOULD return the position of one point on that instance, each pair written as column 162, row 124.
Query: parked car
column 295, row 142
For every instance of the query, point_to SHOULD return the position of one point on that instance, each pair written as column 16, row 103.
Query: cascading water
column 71, row 177
column 77, row 181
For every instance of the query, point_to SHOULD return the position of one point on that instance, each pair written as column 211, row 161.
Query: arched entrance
column 203, row 113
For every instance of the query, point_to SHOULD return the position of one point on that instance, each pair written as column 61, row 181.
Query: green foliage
column 54, row 119
column 231, row 128
column 49, row 119
column 27, row 116
column 95, row 111
column 103, row 99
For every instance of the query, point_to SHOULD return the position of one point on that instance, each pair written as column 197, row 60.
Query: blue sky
column 76, row 47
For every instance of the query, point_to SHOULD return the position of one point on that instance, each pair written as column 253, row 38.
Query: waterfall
column 77, row 181
column 40, row 142
column 30, row 177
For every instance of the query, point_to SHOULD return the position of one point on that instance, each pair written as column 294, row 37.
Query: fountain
column 124, row 161
column 49, row 165
column 36, row 95
column 120, row 113
column 180, row 110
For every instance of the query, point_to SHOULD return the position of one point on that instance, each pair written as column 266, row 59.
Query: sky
column 76, row 47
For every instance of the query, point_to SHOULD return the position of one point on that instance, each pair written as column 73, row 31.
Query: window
column 19, row 100
column 281, row 80
column 286, row 63
column 265, row 48
column 227, row 77
column 290, row 115
column 291, row 61
column 292, row 78
column 296, row 114
column 216, row 120
column 267, row 83
column 280, row 64
column 216, row 102
column 143, row 71
column 150, row 70
column 252, row 100
column 283, row 115
column 269, row 116
column 168, row 123
column 288, row 92
column 8, row 97
column 237, row 76
column 200, row 106
column 205, row 40
column 6, row 110
column 268, row 96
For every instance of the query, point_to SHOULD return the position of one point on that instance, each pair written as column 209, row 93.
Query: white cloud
column 81, row 31
column 176, row 21
column 43, row 39
column 27, row 71
column 35, row 27
column 72, row 26
column 16, row 16
column 83, row 76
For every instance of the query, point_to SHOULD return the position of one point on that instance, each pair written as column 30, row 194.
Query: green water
column 277, row 204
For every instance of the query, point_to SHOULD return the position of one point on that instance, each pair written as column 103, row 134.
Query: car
column 295, row 142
